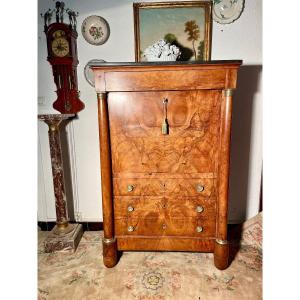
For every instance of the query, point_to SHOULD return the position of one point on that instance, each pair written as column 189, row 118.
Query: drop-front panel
column 136, row 129
column 165, row 188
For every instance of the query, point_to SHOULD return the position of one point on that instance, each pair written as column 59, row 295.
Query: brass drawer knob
column 130, row 228
column 199, row 188
column 130, row 208
column 164, row 226
column 199, row 228
column 130, row 188
column 199, row 208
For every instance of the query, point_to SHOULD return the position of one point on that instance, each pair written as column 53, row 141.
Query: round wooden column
column 221, row 252
column 109, row 241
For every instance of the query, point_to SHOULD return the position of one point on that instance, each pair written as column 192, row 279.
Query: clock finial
column 61, row 12
column 59, row 15
column 72, row 18
column 47, row 17
column 57, row 6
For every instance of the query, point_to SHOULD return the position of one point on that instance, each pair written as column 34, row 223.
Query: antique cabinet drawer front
column 153, row 207
column 137, row 142
column 165, row 80
column 204, row 187
column 160, row 226
column 137, row 187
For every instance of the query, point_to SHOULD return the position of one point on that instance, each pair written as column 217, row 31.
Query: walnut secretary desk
column 164, row 132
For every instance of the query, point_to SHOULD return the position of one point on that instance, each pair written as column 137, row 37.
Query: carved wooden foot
column 221, row 254
column 110, row 253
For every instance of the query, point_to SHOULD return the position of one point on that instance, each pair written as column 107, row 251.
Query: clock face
column 60, row 47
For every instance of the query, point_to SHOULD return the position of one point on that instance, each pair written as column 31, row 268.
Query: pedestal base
column 66, row 239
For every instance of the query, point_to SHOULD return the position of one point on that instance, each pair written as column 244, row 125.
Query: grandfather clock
column 62, row 55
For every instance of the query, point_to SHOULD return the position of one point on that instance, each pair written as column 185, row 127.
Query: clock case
column 65, row 70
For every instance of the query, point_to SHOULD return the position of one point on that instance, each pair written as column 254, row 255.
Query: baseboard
column 87, row 226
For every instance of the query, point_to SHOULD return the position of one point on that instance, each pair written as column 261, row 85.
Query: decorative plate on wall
column 227, row 11
column 95, row 30
column 88, row 73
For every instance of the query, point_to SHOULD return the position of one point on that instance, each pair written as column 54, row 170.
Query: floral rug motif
column 151, row 275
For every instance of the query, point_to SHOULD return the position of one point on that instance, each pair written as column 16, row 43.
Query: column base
column 110, row 252
column 221, row 254
column 63, row 239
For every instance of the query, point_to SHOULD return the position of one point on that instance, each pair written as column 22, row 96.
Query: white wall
column 243, row 40
column 240, row 40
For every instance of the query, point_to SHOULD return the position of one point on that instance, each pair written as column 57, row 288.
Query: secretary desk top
column 178, row 75
column 97, row 65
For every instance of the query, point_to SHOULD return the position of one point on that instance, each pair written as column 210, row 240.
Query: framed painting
column 185, row 24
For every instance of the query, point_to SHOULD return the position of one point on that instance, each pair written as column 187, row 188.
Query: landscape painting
column 186, row 25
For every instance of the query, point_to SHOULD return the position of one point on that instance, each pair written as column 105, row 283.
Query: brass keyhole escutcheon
column 164, row 226
column 130, row 188
column 163, row 186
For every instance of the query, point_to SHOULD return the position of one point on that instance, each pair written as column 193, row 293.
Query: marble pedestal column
column 64, row 236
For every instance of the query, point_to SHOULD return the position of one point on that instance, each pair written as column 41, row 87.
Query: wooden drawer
column 153, row 207
column 137, row 142
column 137, row 187
column 166, row 243
column 182, row 187
column 165, row 80
column 161, row 226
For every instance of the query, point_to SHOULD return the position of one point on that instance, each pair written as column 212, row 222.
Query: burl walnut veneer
column 164, row 147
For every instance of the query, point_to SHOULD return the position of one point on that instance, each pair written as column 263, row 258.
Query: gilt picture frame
column 185, row 24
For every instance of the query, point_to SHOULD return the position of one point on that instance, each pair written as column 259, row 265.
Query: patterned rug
column 153, row 275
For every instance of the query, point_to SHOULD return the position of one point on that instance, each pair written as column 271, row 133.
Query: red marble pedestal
column 64, row 236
